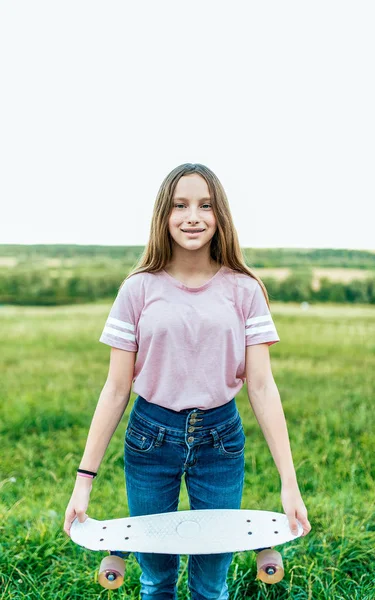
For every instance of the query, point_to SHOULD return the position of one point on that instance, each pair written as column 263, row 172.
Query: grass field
column 53, row 369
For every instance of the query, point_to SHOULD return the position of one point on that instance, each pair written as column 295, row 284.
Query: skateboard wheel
column 270, row 566
column 111, row 572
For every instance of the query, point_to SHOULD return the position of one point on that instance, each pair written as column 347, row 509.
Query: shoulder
column 138, row 283
column 244, row 282
column 136, row 280
column 132, row 285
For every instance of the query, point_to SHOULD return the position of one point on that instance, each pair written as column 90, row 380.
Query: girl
column 187, row 327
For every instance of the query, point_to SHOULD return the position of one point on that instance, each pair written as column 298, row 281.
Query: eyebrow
column 181, row 198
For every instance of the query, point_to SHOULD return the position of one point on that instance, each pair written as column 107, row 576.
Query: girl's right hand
column 78, row 503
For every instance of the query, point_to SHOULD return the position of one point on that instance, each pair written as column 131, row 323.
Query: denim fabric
column 161, row 445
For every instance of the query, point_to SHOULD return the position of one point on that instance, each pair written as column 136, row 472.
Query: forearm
column 108, row 413
column 268, row 410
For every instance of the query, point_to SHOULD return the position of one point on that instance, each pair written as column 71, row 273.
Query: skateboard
column 209, row 531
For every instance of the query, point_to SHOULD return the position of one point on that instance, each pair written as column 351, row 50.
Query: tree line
column 36, row 286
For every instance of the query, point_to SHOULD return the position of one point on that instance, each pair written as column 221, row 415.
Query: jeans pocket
column 139, row 440
column 232, row 444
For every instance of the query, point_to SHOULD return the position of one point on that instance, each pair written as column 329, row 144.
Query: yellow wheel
column 270, row 566
column 111, row 572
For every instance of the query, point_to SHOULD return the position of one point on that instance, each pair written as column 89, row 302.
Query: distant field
column 8, row 261
column 333, row 274
column 339, row 274
column 52, row 373
column 344, row 275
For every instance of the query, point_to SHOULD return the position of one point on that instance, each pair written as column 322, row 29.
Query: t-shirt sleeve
column 259, row 326
column 121, row 325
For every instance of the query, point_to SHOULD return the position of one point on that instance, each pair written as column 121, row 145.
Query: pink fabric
column 190, row 342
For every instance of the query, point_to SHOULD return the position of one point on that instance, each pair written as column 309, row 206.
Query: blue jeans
column 161, row 445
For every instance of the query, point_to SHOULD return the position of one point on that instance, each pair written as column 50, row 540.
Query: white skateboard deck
column 186, row 532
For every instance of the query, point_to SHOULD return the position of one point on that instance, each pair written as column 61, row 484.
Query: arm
column 111, row 406
column 265, row 400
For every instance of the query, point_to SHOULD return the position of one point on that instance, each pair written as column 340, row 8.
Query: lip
column 187, row 232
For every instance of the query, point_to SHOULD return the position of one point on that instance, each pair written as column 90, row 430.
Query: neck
column 192, row 263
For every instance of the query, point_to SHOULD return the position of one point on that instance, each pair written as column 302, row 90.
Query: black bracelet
column 86, row 472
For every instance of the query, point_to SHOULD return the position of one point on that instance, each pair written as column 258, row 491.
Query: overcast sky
column 100, row 100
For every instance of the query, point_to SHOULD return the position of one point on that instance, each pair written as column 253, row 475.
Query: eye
column 180, row 204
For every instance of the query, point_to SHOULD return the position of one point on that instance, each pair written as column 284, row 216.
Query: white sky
column 100, row 100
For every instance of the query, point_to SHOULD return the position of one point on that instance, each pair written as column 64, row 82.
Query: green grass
column 52, row 373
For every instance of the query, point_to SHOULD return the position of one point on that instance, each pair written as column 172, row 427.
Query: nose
column 193, row 218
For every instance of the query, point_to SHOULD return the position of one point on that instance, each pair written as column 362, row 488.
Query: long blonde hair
column 224, row 248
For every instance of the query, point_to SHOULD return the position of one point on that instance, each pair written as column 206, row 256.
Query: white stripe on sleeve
column 262, row 319
column 253, row 327
column 119, row 323
column 118, row 333
column 262, row 329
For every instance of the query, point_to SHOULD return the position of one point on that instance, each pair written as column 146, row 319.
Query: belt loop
column 215, row 435
column 160, row 437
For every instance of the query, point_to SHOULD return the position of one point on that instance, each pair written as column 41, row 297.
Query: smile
column 193, row 231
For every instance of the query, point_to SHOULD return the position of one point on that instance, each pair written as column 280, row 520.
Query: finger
column 304, row 522
column 82, row 516
column 69, row 518
column 293, row 523
column 306, row 525
column 67, row 526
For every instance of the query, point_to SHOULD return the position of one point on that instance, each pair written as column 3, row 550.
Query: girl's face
column 192, row 208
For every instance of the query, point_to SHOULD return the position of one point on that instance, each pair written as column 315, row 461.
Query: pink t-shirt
column 190, row 341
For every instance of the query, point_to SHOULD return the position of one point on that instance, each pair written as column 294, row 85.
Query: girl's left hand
column 294, row 508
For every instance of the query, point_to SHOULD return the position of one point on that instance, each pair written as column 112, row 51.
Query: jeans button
column 190, row 439
column 191, row 429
